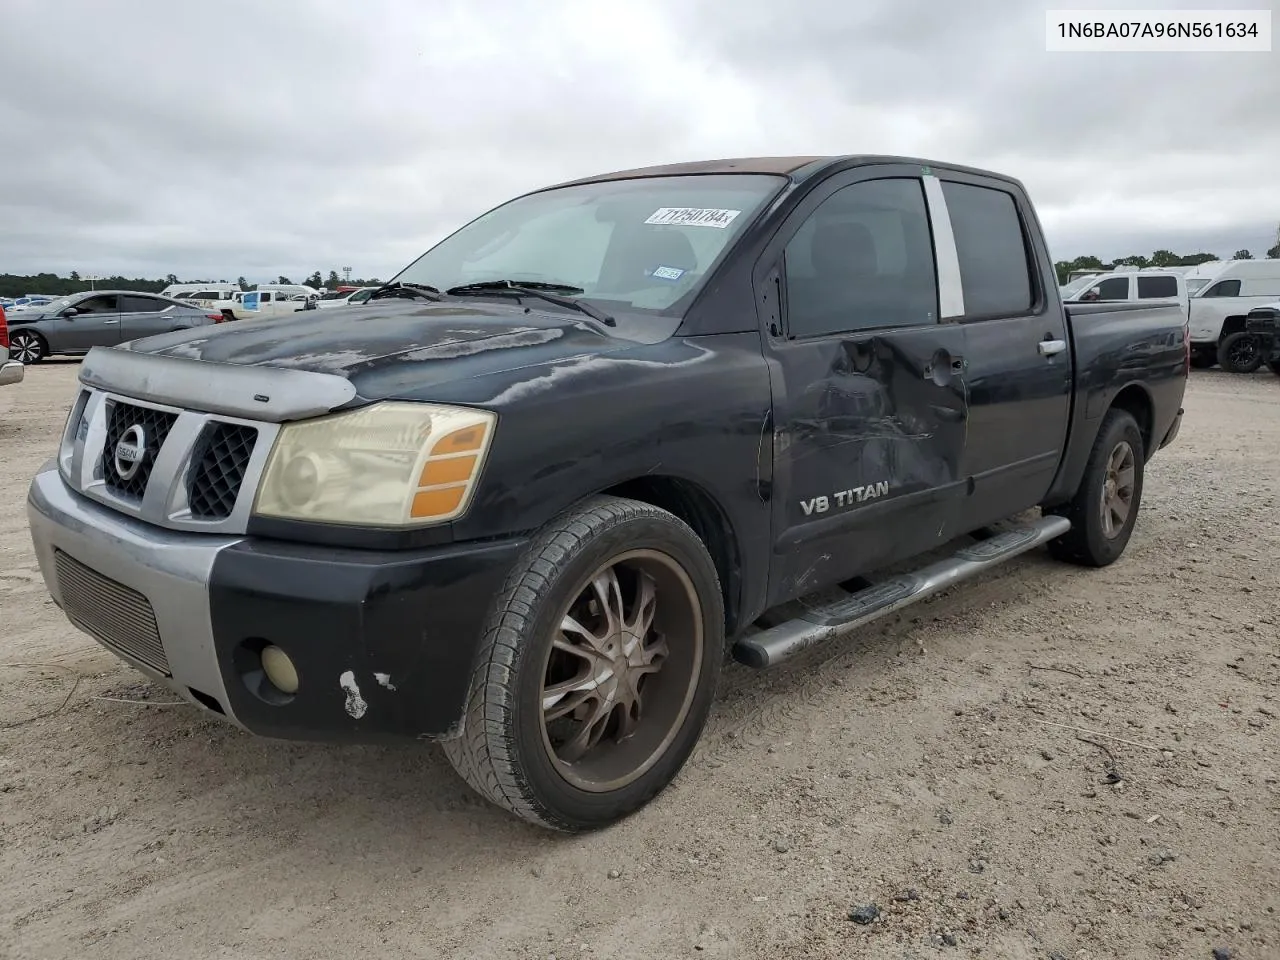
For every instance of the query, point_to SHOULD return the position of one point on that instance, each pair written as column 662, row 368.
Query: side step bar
column 770, row 647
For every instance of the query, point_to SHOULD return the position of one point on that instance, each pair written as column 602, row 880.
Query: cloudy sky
column 214, row 140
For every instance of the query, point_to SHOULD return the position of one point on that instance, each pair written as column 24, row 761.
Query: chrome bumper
column 170, row 569
column 11, row 371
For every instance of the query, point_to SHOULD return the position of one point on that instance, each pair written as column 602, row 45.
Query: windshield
column 643, row 243
column 1194, row 285
column 1076, row 285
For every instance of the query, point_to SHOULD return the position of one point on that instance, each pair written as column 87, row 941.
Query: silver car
column 100, row 318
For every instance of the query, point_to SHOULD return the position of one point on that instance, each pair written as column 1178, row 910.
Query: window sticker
column 693, row 217
column 667, row 273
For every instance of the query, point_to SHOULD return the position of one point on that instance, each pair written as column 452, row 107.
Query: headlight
column 386, row 465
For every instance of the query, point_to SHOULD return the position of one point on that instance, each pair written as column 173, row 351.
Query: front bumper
column 384, row 642
column 11, row 371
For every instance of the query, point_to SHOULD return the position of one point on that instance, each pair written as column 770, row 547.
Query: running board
column 770, row 647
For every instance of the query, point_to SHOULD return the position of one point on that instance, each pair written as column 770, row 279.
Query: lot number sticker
column 668, row 273
column 693, row 217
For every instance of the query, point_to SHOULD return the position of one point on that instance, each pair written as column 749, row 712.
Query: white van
column 1161, row 286
column 1224, row 292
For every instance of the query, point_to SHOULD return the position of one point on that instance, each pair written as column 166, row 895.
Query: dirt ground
column 930, row 766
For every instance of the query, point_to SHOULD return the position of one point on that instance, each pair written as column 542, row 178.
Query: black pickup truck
column 527, row 498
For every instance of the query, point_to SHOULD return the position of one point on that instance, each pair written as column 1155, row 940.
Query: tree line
column 1161, row 258
column 18, row 285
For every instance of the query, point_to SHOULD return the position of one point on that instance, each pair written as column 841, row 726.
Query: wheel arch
column 696, row 506
column 1230, row 325
column 1136, row 401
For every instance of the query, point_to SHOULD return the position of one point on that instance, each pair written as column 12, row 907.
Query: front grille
column 218, row 469
column 119, row 617
column 155, row 425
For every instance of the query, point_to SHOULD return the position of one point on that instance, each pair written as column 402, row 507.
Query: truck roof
column 796, row 167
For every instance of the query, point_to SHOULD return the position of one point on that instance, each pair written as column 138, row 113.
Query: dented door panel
column 870, row 432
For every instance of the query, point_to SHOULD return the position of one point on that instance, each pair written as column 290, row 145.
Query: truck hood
column 385, row 348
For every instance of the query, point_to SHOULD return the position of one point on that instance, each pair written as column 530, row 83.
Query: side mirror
column 70, row 313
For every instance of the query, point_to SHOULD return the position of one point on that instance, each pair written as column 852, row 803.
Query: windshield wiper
column 550, row 292
column 399, row 288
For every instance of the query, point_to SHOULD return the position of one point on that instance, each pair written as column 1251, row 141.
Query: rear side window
column 1152, row 287
column 1261, row 288
column 1224, row 288
column 995, row 267
column 141, row 305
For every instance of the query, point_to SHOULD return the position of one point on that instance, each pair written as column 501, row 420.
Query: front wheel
column 1240, row 352
column 1105, row 507
column 27, row 347
column 597, row 670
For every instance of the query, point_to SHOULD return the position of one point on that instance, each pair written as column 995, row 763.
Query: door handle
column 1051, row 348
column 110, row 321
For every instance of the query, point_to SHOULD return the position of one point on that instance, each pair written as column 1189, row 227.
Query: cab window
column 862, row 260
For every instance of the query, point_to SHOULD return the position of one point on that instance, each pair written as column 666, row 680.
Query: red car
column 10, row 370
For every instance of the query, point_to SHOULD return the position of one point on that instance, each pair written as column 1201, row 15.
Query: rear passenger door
column 142, row 316
column 869, row 400
column 1016, row 345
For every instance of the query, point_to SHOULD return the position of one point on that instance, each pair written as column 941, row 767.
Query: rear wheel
column 1240, row 352
column 27, row 347
column 597, row 670
column 1105, row 508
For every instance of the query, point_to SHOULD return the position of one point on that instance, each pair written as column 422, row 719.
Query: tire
column 1240, row 352
column 510, row 751
column 1095, row 538
column 27, row 347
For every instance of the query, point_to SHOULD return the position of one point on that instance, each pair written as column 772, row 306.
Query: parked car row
column 71, row 326
column 74, row 325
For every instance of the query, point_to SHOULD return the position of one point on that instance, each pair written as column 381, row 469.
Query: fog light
column 279, row 669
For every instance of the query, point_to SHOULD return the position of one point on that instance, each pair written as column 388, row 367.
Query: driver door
column 95, row 323
column 868, row 377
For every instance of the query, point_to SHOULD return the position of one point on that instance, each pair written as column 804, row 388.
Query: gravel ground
column 930, row 767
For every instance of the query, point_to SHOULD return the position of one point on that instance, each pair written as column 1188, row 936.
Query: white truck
column 1147, row 285
column 1222, row 294
column 267, row 300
